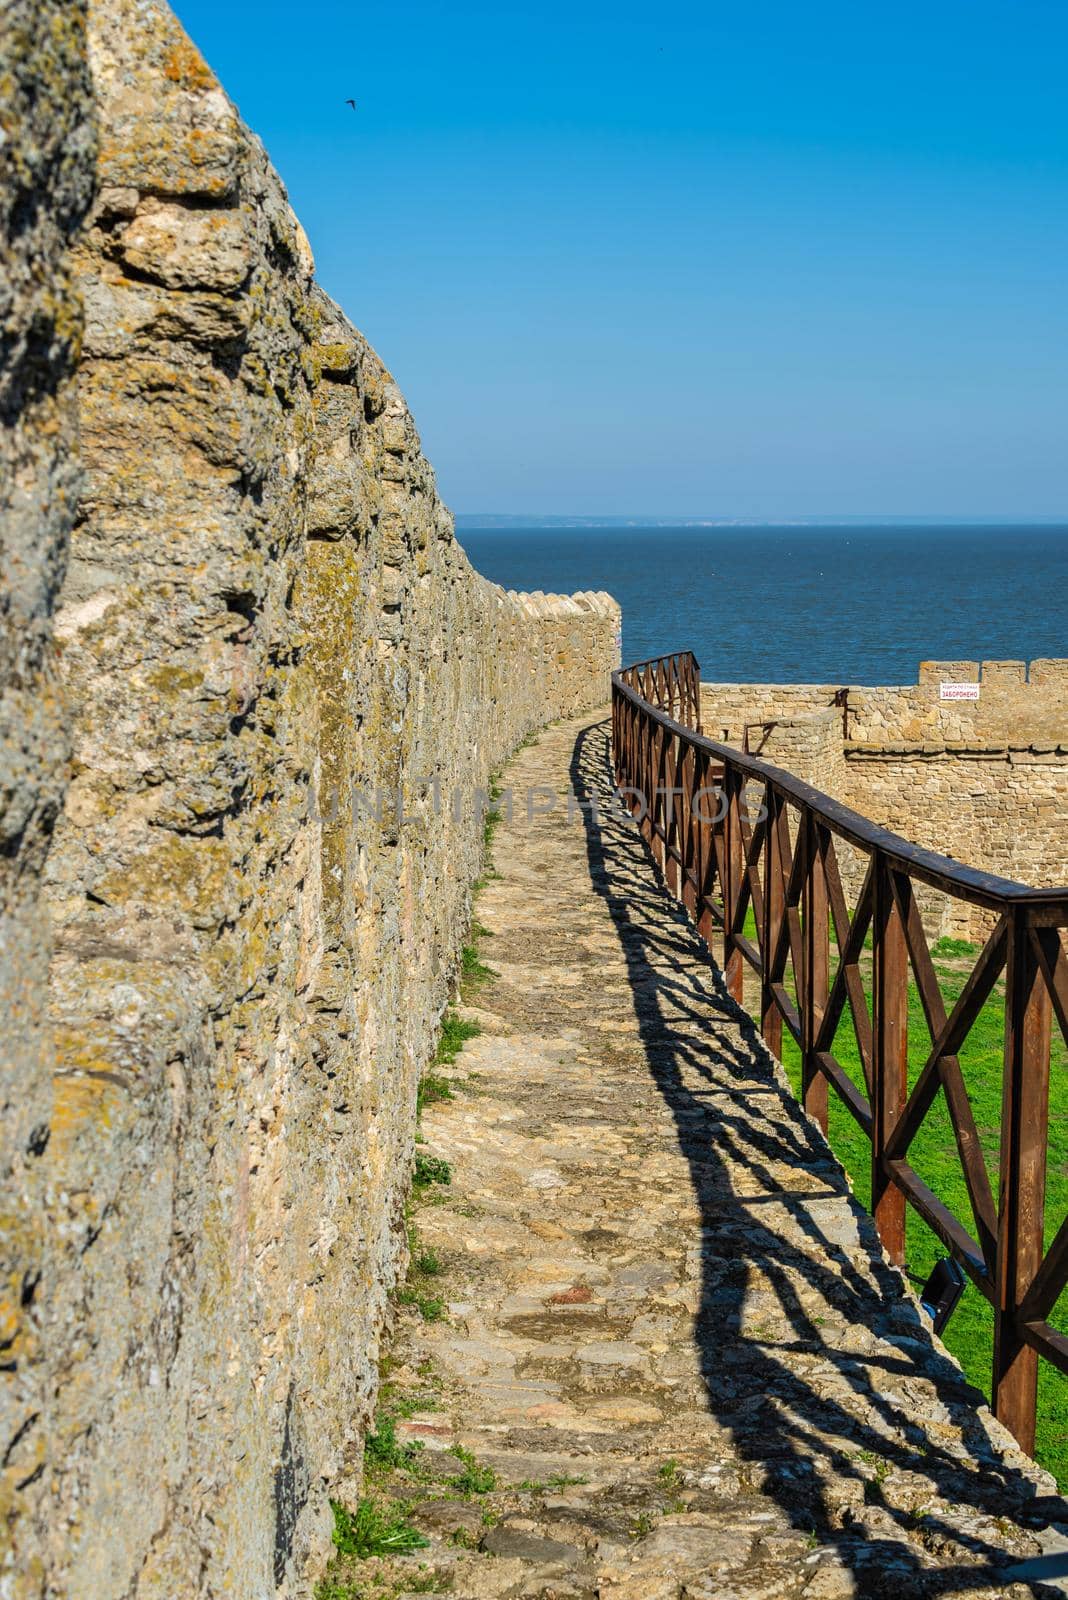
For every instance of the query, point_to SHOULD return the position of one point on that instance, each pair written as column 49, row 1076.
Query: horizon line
column 660, row 519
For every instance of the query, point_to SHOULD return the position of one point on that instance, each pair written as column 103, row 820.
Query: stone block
column 1003, row 674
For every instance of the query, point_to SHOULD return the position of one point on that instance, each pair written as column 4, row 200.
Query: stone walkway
column 674, row 1362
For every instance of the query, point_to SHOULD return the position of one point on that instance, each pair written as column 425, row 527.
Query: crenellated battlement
column 985, row 779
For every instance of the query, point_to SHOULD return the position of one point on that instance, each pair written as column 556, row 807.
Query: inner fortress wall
column 265, row 633
column 984, row 781
column 1018, row 703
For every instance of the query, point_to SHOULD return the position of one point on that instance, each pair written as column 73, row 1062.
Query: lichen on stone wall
column 46, row 143
column 265, row 619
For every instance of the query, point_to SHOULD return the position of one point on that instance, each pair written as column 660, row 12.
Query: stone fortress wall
column 46, row 183
column 984, row 781
column 265, row 618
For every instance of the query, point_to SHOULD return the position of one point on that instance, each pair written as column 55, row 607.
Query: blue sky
column 751, row 259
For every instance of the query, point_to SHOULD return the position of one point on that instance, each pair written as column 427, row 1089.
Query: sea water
column 805, row 604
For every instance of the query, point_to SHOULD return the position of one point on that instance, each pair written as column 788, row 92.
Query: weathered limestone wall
column 265, row 616
column 45, row 185
column 727, row 707
column 983, row 781
column 1003, row 810
column 1017, row 704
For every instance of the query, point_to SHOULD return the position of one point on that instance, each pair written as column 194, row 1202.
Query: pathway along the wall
column 666, row 1315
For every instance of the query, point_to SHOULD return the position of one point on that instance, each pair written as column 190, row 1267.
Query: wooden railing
column 671, row 683
column 731, row 832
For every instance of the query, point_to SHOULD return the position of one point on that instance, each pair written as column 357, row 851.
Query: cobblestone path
column 674, row 1361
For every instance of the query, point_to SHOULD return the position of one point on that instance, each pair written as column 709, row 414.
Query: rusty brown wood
column 835, row 893
column 732, row 892
column 792, row 866
column 753, row 856
column 965, row 1132
column 1053, row 962
column 709, row 889
column 720, row 841
column 671, row 817
column 1050, row 1279
column 794, row 885
column 817, row 970
column 705, row 853
column 935, row 1073
column 848, row 982
column 890, row 1062
column 1022, row 1208
column 663, row 740
column 647, row 781
column 848, row 985
column 1048, row 1342
column 788, row 1014
column 796, row 867
column 689, row 841
column 854, row 1101
column 941, row 1220
column 770, row 1012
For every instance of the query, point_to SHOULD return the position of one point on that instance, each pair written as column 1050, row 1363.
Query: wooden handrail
column 941, row 872
column 778, row 859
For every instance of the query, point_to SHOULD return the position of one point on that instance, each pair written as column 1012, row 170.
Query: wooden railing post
column 688, row 843
column 704, row 851
column 668, row 864
column 651, row 763
column 774, row 902
column 1021, row 1210
column 890, row 1059
column 733, row 858
column 817, row 954
column 1009, row 1263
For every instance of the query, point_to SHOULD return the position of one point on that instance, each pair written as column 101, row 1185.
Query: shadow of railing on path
column 719, row 1089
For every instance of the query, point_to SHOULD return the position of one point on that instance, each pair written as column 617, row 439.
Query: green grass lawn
column 934, row 1156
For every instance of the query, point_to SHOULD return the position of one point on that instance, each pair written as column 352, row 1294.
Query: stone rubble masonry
column 1017, row 704
column 984, row 781
column 46, row 156
column 265, row 616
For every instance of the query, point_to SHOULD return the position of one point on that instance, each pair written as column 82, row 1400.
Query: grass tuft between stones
column 432, row 1090
column 473, row 970
column 455, row 1032
column 373, row 1530
column 555, row 1480
column 430, row 1169
column 493, row 818
column 431, row 1307
column 475, row 1478
column 383, row 1452
column 423, row 1263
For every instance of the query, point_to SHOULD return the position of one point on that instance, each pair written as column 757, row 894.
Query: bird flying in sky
column 351, row 103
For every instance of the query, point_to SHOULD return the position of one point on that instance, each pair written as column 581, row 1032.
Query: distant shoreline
column 479, row 521
column 803, row 602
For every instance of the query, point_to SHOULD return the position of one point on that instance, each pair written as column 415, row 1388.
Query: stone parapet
column 266, row 630
column 983, row 781
column 1014, row 702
